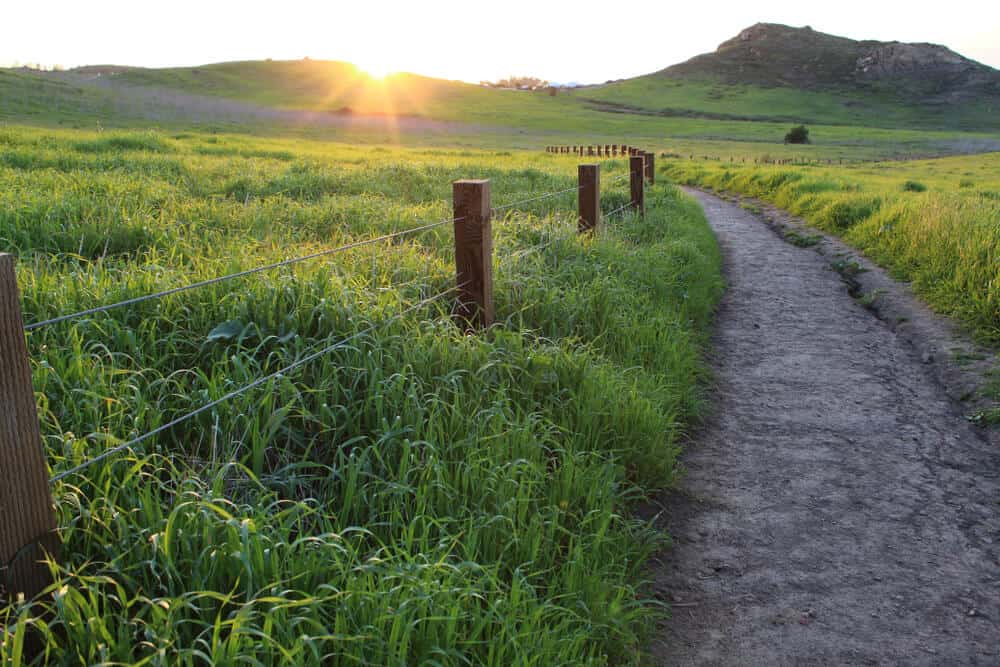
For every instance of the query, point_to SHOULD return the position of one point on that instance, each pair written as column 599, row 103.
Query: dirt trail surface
column 838, row 509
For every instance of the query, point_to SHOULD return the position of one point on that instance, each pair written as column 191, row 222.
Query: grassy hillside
column 814, row 77
column 665, row 94
column 310, row 98
column 417, row 496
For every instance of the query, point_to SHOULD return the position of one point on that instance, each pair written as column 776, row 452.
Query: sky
column 553, row 39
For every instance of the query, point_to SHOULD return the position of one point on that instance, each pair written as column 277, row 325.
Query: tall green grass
column 420, row 496
column 934, row 223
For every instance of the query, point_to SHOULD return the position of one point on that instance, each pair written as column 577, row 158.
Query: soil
column 839, row 508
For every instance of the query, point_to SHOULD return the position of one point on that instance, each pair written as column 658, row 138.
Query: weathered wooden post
column 636, row 165
column 607, row 150
column 650, row 171
column 473, row 253
column 28, row 523
column 589, row 197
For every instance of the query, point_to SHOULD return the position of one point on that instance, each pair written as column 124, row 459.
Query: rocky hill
column 769, row 54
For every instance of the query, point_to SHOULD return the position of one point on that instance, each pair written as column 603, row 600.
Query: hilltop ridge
column 770, row 54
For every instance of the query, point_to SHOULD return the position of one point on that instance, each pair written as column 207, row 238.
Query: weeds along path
column 838, row 509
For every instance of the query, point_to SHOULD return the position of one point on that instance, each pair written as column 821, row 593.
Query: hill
column 776, row 55
column 799, row 74
column 741, row 98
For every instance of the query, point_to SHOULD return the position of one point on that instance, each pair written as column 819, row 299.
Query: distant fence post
column 650, row 170
column 607, row 150
column 589, row 197
column 636, row 165
column 473, row 253
column 28, row 520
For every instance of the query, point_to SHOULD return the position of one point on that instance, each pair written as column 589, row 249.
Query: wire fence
column 468, row 292
column 309, row 357
column 238, row 274
column 247, row 387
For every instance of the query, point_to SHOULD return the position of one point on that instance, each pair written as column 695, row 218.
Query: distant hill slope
column 769, row 54
column 769, row 73
column 779, row 72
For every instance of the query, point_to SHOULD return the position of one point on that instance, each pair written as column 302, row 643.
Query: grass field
column 419, row 496
column 310, row 98
column 658, row 93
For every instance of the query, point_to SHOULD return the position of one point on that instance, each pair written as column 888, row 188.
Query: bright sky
column 558, row 40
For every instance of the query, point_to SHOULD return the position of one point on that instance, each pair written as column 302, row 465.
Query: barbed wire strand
column 240, row 274
column 247, row 387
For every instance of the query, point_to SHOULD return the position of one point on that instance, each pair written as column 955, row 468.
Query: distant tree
column 797, row 135
column 518, row 83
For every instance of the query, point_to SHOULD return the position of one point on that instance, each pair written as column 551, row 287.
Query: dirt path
column 838, row 509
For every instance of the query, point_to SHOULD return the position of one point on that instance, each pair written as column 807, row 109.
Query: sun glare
column 375, row 71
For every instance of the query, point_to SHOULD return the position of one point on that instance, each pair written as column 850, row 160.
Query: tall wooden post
column 650, row 168
column 636, row 165
column 589, row 197
column 473, row 253
column 27, row 516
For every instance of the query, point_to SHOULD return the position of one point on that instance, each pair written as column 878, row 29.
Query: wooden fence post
column 27, row 515
column 650, row 171
column 607, row 150
column 636, row 165
column 589, row 197
column 473, row 253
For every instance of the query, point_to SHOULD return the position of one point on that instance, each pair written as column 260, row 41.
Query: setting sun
column 376, row 70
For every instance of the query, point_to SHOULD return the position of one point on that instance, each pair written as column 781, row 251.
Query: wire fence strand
column 308, row 358
column 247, row 387
column 239, row 274
column 547, row 195
column 618, row 210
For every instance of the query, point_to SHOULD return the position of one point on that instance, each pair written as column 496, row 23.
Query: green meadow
column 321, row 99
column 416, row 495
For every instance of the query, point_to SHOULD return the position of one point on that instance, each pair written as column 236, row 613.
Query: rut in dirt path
column 838, row 509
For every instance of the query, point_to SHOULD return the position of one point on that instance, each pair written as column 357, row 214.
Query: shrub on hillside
column 839, row 215
column 797, row 135
column 914, row 186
